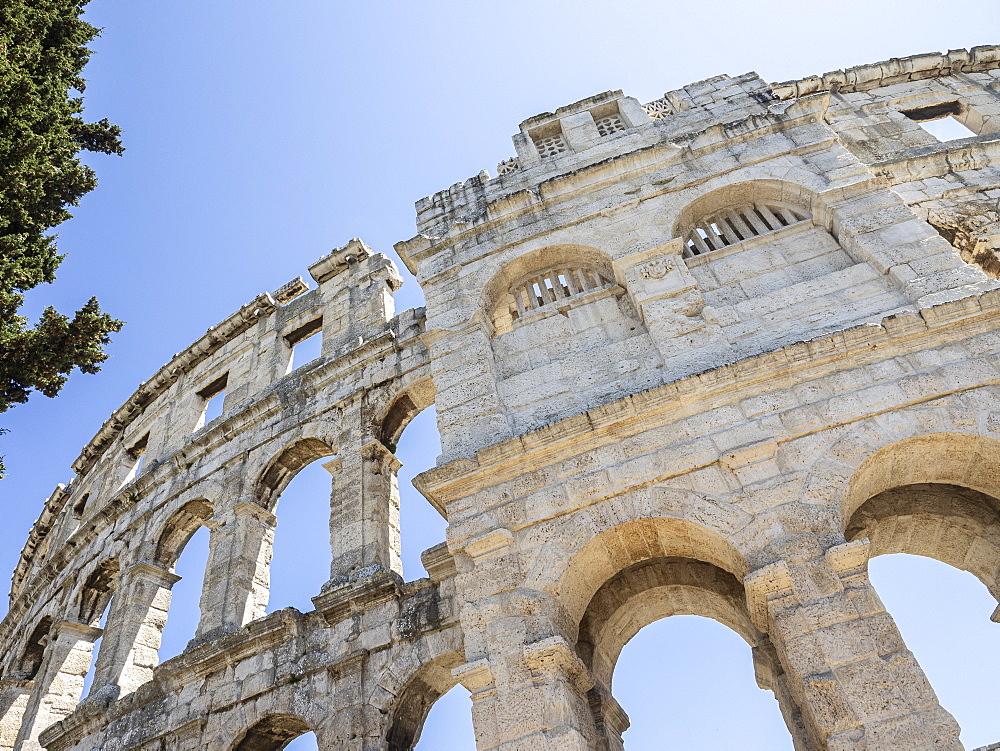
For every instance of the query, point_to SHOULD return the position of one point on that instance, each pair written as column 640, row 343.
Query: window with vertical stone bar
column 738, row 223
column 550, row 287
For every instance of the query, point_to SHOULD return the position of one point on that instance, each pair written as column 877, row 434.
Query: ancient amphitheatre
column 703, row 355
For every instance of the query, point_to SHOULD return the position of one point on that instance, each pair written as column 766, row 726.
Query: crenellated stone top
column 604, row 126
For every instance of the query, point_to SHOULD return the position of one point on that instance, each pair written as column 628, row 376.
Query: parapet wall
column 666, row 345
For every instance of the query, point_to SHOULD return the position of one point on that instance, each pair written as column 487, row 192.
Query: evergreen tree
column 43, row 49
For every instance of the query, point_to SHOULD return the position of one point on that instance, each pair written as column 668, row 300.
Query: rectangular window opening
column 136, row 454
column 306, row 342
column 80, row 506
column 213, row 397
column 943, row 121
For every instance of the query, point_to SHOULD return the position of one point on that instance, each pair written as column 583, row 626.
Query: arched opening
column 274, row 733
column 185, row 595
column 938, row 549
column 951, row 523
column 409, row 430
column 942, row 614
column 691, row 679
column 431, row 711
column 96, row 592
column 300, row 564
column 182, row 549
column 639, row 599
column 448, row 726
column 94, row 606
column 88, row 678
column 287, row 465
column 296, row 487
column 34, row 651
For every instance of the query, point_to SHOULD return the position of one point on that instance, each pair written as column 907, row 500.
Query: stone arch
column 497, row 298
column 272, row 733
column 636, row 572
column 97, row 591
column 179, row 529
column 27, row 667
column 653, row 589
column 947, row 458
column 280, row 470
column 406, row 405
column 656, row 522
column 414, row 698
column 742, row 192
column 936, row 495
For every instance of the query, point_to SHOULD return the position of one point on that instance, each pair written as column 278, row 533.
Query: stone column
column 14, row 695
column 478, row 679
column 237, row 577
column 59, row 682
column 133, row 631
column 847, row 667
column 529, row 687
column 772, row 677
column 610, row 719
column 535, row 697
column 364, row 514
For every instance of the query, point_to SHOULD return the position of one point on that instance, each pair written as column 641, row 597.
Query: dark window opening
column 213, row 399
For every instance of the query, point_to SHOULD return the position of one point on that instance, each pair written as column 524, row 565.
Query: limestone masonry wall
column 704, row 355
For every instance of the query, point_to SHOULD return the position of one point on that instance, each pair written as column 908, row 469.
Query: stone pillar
column 610, row 719
column 59, row 682
column 364, row 514
column 533, row 699
column 133, row 631
column 14, row 695
column 237, row 577
column 528, row 690
column 847, row 667
column 478, row 679
column 772, row 677
column 685, row 331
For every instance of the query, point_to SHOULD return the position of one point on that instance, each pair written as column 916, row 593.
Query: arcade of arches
column 705, row 356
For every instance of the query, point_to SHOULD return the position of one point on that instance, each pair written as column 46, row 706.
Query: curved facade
column 705, row 355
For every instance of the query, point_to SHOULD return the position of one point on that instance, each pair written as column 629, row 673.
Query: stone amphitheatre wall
column 705, row 355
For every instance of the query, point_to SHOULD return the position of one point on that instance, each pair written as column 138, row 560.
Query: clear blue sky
column 262, row 134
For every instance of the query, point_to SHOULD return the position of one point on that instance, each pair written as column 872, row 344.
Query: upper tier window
column 552, row 286
column 549, row 146
column 740, row 223
column 609, row 124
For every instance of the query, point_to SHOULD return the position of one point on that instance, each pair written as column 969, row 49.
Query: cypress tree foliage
column 43, row 49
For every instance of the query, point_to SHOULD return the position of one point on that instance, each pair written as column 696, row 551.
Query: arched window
column 31, row 659
column 274, row 733
column 691, row 679
column 298, row 487
column 448, row 726
column 300, row 565
column 431, row 711
column 740, row 222
column 935, row 496
column 97, row 591
column 942, row 614
column 185, row 595
column 640, row 597
column 554, row 279
column 553, row 286
column 409, row 430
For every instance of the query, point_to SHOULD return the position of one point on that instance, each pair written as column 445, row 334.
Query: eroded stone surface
column 704, row 355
